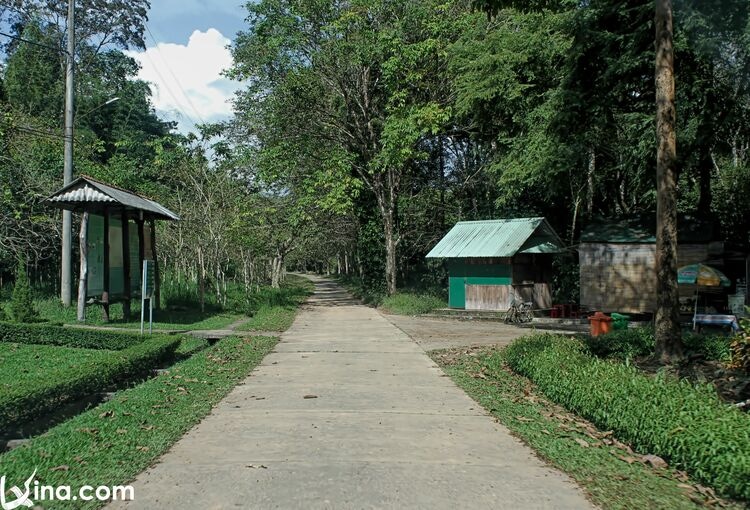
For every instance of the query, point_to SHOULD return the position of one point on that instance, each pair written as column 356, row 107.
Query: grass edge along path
column 112, row 443
column 611, row 477
column 276, row 309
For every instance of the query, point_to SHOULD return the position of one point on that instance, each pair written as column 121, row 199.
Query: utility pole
column 67, row 236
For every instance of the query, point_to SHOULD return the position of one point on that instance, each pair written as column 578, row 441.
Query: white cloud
column 186, row 80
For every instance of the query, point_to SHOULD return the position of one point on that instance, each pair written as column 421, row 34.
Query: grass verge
column 113, row 442
column 612, row 475
column 275, row 309
column 411, row 304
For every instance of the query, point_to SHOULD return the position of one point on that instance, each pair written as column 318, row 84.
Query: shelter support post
column 125, row 267
column 141, row 241
column 84, row 272
column 105, row 283
column 157, row 275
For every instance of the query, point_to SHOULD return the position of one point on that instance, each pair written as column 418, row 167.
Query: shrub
column 50, row 334
column 22, row 302
column 30, row 399
column 634, row 342
column 687, row 425
column 713, row 347
column 623, row 343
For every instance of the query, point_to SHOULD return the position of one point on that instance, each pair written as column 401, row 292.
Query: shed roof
column 87, row 194
column 641, row 229
column 498, row 238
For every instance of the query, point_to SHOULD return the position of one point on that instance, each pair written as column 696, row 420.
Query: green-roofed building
column 617, row 261
column 490, row 261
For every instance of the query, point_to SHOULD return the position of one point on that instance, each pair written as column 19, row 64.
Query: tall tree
column 668, row 337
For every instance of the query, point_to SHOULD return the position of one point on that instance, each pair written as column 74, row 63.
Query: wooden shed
column 117, row 234
column 489, row 261
column 618, row 260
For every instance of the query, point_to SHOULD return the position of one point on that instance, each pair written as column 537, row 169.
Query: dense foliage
column 365, row 129
column 42, row 390
column 21, row 307
column 685, row 424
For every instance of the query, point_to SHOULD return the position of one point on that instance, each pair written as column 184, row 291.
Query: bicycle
column 519, row 313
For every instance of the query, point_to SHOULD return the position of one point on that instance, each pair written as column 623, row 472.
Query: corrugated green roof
column 498, row 238
column 641, row 229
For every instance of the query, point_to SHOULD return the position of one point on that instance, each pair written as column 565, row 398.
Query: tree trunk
column 705, row 171
column 277, row 265
column 390, row 250
column 668, row 339
column 202, row 280
column 84, row 274
column 590, row 182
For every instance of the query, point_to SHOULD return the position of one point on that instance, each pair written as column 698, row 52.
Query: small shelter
column 117, row 234
column 618, row 261
column 490, row 261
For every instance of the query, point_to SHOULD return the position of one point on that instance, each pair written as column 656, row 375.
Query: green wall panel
column 460, row 274
column 96, row 257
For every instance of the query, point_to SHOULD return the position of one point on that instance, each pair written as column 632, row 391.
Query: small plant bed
column 50, row 334
column 275, row 309
column 110, row 444
column 37, row 379
column 686, row 424
column 611, row 473
column 708, row 360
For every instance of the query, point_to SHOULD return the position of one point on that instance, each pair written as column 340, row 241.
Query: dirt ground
column 432, row 333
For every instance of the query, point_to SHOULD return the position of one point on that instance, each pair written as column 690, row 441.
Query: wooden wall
column 498, row 297
column 622, row 277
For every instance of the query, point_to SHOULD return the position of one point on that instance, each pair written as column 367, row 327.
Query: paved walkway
column 349, row 412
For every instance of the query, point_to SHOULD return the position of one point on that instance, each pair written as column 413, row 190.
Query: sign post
column 148, row 285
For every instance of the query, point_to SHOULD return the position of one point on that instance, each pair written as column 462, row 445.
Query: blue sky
column 175, row 20
column 186, row 51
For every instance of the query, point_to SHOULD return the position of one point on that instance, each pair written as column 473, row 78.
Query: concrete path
column 349, row 412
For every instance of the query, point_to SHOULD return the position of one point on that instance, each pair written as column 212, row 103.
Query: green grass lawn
column 271, row 318
column 275, row 310
column 613, row 477
column 35, row 380
column 110, row 444
column 409, row 303
column 179, row 319
column 36, row 364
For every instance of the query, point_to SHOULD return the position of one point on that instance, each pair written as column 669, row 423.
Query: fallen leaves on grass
column 581, row 442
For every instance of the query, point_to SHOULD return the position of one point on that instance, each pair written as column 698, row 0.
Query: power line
column 177, row 81
column 180, row 107
column 28, row 41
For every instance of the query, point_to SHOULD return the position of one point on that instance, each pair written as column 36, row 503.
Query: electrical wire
column 177, row 81
column 34, row 43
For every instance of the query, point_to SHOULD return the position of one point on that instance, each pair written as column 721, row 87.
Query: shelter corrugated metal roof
column 641, row 229
column 498, row 238
column 86, row 193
